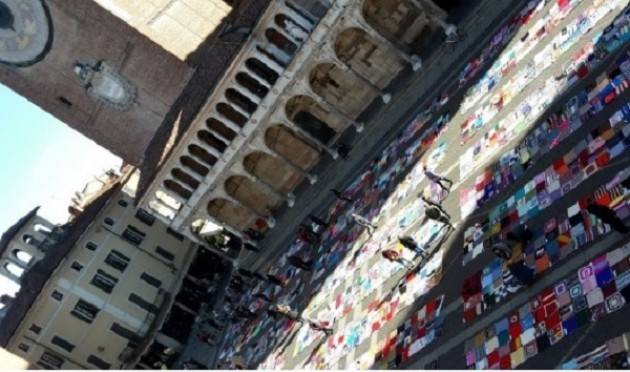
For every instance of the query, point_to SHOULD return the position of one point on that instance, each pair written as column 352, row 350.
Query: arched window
column 177, row 189
column 251, row 84
column 108, row 221
column 29, row 239
column 211, row 140
column 262, row 70
column 22, row 256
column 240, row 100
column 281, row 62
column 14, row 269
column 167, row 200
column 291, row 27
column 201, row 154
column 232, row 115
column 184, row 177
column 280, row 41
column 220, row 128
column 194, row 165
column 42, row 229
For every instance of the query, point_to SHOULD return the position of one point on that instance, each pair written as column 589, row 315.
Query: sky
column 42, row 161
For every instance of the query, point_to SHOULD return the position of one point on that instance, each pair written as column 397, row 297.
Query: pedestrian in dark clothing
column 438, row 179
column 344, row 150
column 409, row 243
column 608, row 216
column 318, row 221
column 255, row 235
column 502, row 250
column 436, row 214
column 431, row 203
column 263, row 296
column 299, row 262
column 340, row 196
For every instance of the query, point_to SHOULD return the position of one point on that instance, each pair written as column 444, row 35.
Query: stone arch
column 185, row 178
column 312, row 118
column 240, row 100
column 250, row 194
column 363, row 54
column 42, row 229
column 281, row 42
column 31, row 240
column 262, row 70
column 251, row 84
column 287, row 144
column 221, row 128
column 231, row 114
column 23, row 257
column 14, row 269
column 341, row 88
column 272, row 171
column 209, row 139
column 291, row 27
column 199, row 153
column 178, row 189
column 194, row 165
column 232, row 214
column 399, row 21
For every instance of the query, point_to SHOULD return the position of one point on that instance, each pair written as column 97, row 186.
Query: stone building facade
column 300, row 80
column 113, row 288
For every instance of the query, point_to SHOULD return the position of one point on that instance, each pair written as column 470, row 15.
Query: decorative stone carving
column 104, row 83
column 25, row 32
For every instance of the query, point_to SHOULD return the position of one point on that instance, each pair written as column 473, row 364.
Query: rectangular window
column 98, row 362
column 35, row 329
column 91, row 246
column 85, row 311
column 124, row 332
column 117, row 260
column 77, row 266
column 23, row 347
column 133, row 235
column 151, row 280
column 175, row 234
column 56, row 295
column 104, row 281
column 62, row 344
column 146, row 217
column 142, row 303
column 50, row 361
column 164, row 253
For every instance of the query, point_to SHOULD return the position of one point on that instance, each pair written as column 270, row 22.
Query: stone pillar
column 258, row 145
column 239, row 169
column 358, row 20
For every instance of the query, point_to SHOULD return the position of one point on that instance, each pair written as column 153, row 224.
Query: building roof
column 8, row 235
column 35, row 278
column 211, row 60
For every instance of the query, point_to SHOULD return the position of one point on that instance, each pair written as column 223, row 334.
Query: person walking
column 437, row 214
column 344, row 151
column 409, row 243
column 608, row 216
column 513, row 260
column 286, row 311
column 340, row 196
column 362, row 221
column 437, row 179
column 393, row 256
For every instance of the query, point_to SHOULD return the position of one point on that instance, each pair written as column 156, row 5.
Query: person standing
column 437, row 214
column 437, row 179
column 301, row 263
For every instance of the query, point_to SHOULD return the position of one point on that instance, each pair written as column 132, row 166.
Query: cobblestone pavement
column 412, row 93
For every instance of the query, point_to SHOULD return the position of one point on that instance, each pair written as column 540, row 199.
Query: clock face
column 25, row 32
